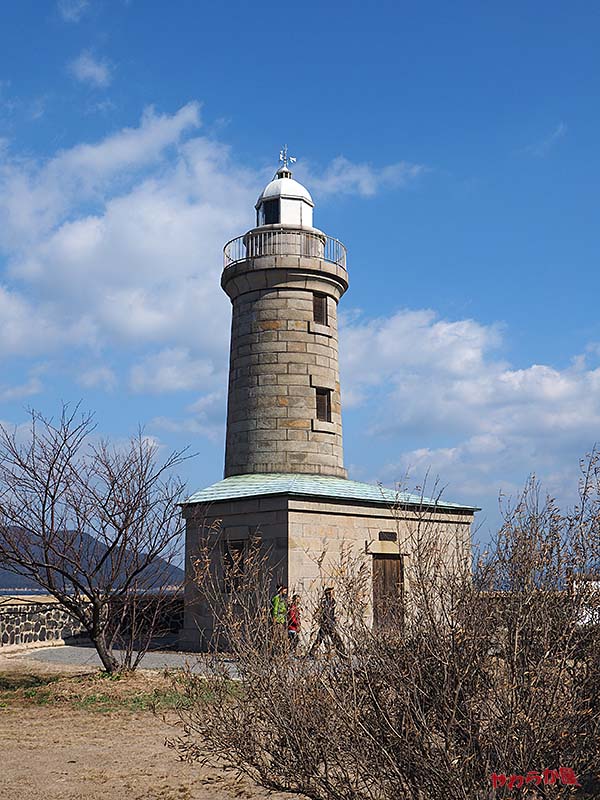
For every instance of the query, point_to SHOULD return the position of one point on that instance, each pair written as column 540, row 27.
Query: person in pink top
column 293, row 622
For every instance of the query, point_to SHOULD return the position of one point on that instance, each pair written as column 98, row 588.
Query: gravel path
column 81, row 656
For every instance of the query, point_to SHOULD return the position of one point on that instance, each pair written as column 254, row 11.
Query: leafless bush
column 495, row 669
column 96, row 526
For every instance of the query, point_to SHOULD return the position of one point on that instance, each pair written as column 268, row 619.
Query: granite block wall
column 305, row 539
column 27, row 622
column 279, row 357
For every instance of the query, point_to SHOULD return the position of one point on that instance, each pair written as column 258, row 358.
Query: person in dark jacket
column 327, row 624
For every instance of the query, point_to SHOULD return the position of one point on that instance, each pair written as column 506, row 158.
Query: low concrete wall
column 26, row 620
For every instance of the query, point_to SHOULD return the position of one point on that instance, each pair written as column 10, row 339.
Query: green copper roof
column 258, row 485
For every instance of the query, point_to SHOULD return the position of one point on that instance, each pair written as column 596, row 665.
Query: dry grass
column 96, row 691
column 70, row 734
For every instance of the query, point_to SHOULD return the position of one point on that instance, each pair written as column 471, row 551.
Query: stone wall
column 27, row 620
column 331, row 527
column 236, row 520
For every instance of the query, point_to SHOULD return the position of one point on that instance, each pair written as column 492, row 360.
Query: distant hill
column 19, row 584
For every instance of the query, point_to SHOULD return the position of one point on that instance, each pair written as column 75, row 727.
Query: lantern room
column 284, row 201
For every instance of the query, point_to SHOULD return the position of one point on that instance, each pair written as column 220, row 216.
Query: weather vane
column 284, row 158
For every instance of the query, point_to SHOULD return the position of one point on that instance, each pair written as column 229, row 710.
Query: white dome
column 285, row 187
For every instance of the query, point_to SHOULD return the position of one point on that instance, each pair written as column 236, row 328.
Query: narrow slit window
column 323, row 405
column 271, row 215
column 320, row 308
column 234, row 553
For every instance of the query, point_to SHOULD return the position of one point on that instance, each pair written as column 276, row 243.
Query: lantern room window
column 271, row 212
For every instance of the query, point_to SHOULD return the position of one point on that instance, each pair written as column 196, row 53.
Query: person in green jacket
column 279, row 606
column 279, row 620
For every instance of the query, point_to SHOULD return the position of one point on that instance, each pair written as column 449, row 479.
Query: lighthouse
column 285, row 484
column 285, row 279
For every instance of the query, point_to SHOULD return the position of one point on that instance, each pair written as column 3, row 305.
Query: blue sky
column 452, row 147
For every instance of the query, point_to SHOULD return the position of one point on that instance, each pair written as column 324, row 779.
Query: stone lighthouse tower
column 285, row 279
column 285, row 484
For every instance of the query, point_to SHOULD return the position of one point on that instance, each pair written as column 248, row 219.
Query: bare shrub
column 494, row 669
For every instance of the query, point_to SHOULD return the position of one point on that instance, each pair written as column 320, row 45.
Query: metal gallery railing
column 286, row 242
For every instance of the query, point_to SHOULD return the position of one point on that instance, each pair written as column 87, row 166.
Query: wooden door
column 388, row 584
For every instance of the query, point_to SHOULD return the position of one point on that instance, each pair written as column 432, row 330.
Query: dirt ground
column 75, row 736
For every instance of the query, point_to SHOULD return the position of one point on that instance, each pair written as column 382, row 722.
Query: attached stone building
column 285, row 480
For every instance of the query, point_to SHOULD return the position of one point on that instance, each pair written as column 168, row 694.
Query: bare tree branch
column 96, row 526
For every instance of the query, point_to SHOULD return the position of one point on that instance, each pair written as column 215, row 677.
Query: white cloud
column 10, row 393
column 141, row 264
column 100, row 107
column 24, row 328
column 72, row 10
column 543, row 147
column 172, row 370
column 32, row 108
column 38, row 197
column 205, row 417
column 342, row 176
column 444, row 380
column 411, row 344
column 8, row 104
column 37, row 108
column 87, row 68
column 98, row 377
